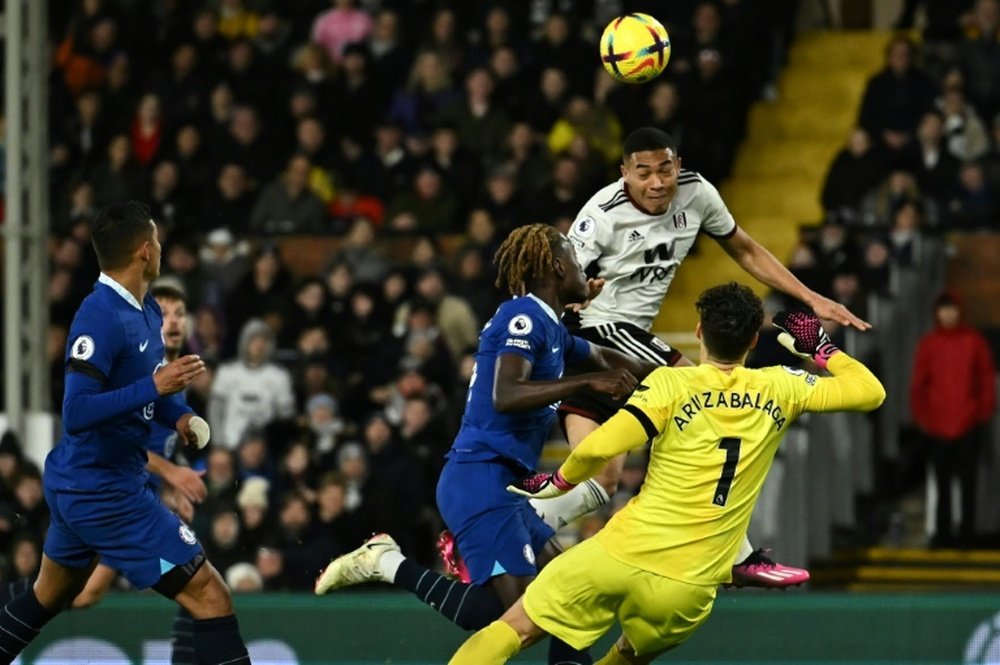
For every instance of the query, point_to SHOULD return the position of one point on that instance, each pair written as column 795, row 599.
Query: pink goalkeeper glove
column 802, row 334
column 541, row 486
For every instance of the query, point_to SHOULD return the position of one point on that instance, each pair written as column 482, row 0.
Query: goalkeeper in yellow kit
column 715, row 429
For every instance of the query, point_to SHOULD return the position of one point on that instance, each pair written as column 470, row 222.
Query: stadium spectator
column 967, row 136
column 251, row 391
column 974, row 205
column 287, row 204
column 979, row 57
column 344, row 24
column 896, row 97
column 480, row 124
column 851, row 175
column 953, row 363
column 429, row 205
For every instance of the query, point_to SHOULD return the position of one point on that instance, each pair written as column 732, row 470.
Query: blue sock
column 218, row 642
column 20, row 622
column 466, row 605
column 561, row 653
column 13, row 589
column 182, row 639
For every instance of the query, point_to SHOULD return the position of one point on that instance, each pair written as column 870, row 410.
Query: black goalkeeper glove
column 802, row 334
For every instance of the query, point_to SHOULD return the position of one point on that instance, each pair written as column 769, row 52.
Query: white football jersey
column 636, row 252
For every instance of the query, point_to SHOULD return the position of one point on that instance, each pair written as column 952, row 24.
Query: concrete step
column 843, row 48
column 775, row 196
column 807, row 123
column 786, row 158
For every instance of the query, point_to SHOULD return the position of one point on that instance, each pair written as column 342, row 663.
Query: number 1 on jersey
column 732, row 447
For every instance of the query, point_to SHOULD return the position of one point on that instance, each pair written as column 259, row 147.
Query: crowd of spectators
column 924, row 158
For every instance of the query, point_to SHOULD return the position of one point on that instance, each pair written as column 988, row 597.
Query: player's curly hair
column 524, row 256
column 731, row 314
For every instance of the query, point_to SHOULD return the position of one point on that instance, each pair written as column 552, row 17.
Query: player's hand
column 187, row 483
column 193, row 430
column 594, row 287
column 178, row 374
column 617, row 383
column 541, row 486
column 802, row 334
column 827, row 309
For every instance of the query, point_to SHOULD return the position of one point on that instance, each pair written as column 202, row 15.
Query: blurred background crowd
column 417, row 134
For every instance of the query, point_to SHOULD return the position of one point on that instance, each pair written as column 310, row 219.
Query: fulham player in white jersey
column 633, row 234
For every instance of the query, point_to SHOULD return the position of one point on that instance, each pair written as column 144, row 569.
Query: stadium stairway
column 779, row 168
column 908, row 569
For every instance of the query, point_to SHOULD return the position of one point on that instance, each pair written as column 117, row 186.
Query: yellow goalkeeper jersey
column 714, row 435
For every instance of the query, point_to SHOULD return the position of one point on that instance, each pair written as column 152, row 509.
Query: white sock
column 580, row 500
column 746, row 549
column 388, row 563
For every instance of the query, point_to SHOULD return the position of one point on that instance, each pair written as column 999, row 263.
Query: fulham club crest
column 680, row 221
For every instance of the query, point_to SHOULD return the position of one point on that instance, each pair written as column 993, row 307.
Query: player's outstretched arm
column 626, row 430
column 852, row 387
column 762, row 264
column 513, row 389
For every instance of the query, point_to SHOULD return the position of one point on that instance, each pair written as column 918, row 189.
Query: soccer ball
column 635, row 48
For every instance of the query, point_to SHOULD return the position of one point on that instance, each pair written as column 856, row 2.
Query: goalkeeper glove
column 802, row 334
column 541, row 486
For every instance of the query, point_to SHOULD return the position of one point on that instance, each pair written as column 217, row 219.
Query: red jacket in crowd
column 953, row 385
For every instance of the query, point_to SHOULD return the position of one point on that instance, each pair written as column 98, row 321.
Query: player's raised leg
column 379, row 559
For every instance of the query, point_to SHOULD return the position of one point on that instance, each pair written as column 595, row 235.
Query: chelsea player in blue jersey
column 515, row 390
column 95, row 478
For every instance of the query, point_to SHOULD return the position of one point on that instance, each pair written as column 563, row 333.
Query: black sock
column 20, row 621
column 12, row 590
column 468, row 606
column 561, row 653
column 182, row 639
column 218, row 642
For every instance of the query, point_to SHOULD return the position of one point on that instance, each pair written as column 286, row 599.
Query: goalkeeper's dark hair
column 526, row 255
column 731, row 314
column 116, row 232
column 647, row 138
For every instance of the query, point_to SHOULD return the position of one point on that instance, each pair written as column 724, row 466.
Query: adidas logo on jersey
column 634, row 236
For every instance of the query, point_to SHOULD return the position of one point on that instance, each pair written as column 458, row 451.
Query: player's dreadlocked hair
column 525, row 255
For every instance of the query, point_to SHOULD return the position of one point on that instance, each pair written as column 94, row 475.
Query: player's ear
column 559, row 266
column 697, row 330
column 753, row 342
column 145, row 251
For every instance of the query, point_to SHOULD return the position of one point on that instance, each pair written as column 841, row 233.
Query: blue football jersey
column 114, row 347
column 528, row 327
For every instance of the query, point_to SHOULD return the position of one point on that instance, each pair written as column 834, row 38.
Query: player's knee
column 208, row 595
column 88, row 598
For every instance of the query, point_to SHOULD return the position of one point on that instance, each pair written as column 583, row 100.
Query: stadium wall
column 367, row 628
